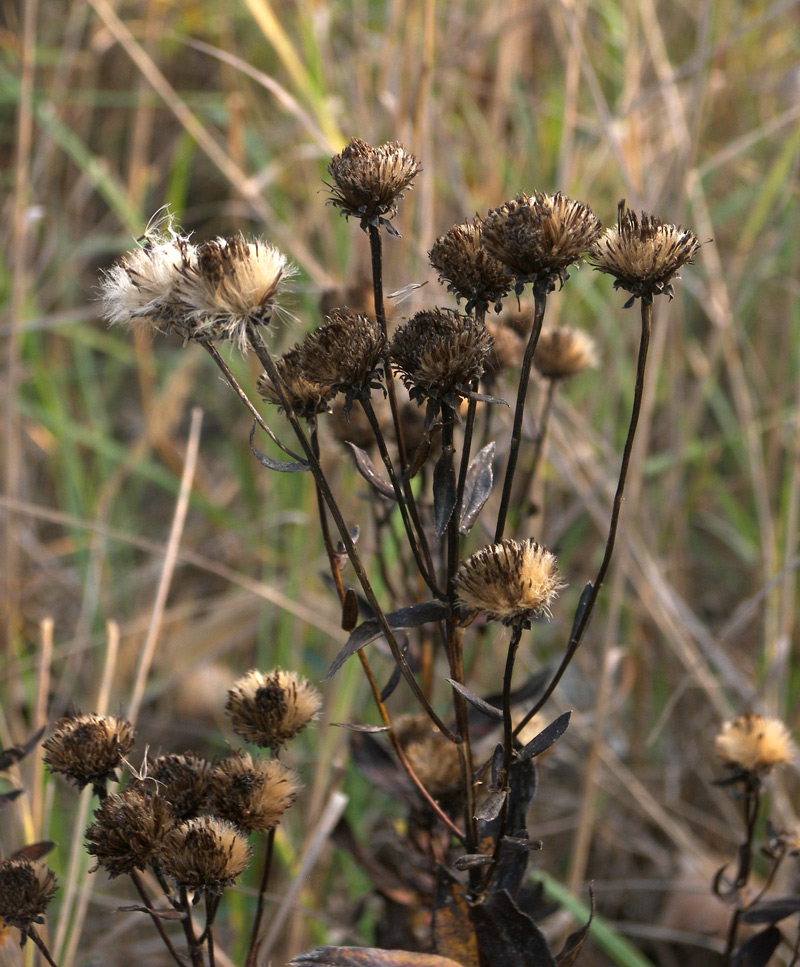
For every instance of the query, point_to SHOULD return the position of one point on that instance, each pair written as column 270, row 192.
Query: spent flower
column 468, row 269
column 26, row 890
column 129, row 830
column 205, row 855
column 563, row 352
column 754, row 744
column 88, row 749
column 270, row 709
column 251, row 793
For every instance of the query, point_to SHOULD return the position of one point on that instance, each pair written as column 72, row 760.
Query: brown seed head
column 140, row 289
column 538, row 236
column 307, row 398
column 368, row 182
column 205, row 854
column 507, row 351
column 252, row 794
column 129, row 830
column 268, row 710
column 511, row 582
column 88, row 748
column 754, row 743
column 432, row 757
column 468, row 269
column 438, row 353
column 344, row 353
column 643, row 254
column 182, row 781
column 564, row 352
column 232, row 283
column 26, row 890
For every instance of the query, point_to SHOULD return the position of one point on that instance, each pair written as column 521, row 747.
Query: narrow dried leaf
column 444, row 491
column 6, row 798
column 421, row 455
column 495, row 714
column 757, row 950
column 361, row 728
column 367, row 631
column 161, row 914
column 508, row 937
column 583, row 604
column 477, row 487
column 491, row 806
column 17, row 752
column 350, row 610
column 547, row 737
column 575, row 941
column 369, row 472
column 453, row 933
column 394, row 678
column 472, row 861
column 282, row 466
column 33, row 851
column 771, row 911
column 368, row 957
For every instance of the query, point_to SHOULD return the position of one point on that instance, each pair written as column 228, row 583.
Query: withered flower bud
column 507, row 350
column 511, row 582
column 537, row 237
column 469, row 270
column 129, row 830
column 643, row 254
column 139, row 290
column 268, row 710
column 564, row 352
column 438, row 353
column 368, row 182
column 432, row 756
column 232, row 283
column 754, row 744
column 344, row 353
column 182, row 781
column 26, row 890
column 307, row 398
column 205, row 854
column 88, row 748
column 252, row 794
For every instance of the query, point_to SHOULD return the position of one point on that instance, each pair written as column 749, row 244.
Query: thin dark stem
column 195, row 949
column 752, row 801
column 261, row 350
column 538, row 448
column 31, row 932
column 580, row 628
column 142, row 891
column 427, row 576
column 540, row 304
column 252, row 951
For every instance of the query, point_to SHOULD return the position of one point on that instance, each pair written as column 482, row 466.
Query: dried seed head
column 307, row 398
column 232, row 283
column 538, row 236
column 438, row 353
column 129, row 830
column 268, row 710
column 26, row 890
column 252, row 794
column 182, row 781
column 512, row 581
column 139, row 290
column 88, row 748
column 507, row 351
column 432, row 757
column 368, row 182
column 564, row 352
column 205, row 854
column 754, row 743
column 643, row 254
column 470, row 272
column 344, row 353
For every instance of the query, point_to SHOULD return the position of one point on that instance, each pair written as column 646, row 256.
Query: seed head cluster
column 563, row 352
column 438, row 353
column 511, row 582
column 643, row 254
column 269, row 710
column 537, row 237
column 754, row 744
column 88, row 749
column 468, row 269
column 368, row 182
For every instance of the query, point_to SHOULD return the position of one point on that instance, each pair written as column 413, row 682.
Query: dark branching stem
column 751, row 800
column 31, row 932
column 376, row 254
column 252, row 951
column 142, row 891
column 195, row 947
column 400, row 496
column 266, row 360
column 540, row 304
column 580, row 628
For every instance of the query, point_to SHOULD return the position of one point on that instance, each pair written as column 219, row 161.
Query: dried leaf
column 421, row 455
column 472, row 861
column 453, row 933
column 350, row 610
column 477, row 487
column 368, row 957
column 583, row 604
column 8, row 797
column 369, row 472
column 547, row 737
column 367, row 631
column 476, row 702
column 16, row 752
column 575, row 941
column 508, row 937
column 771, row 911
column 161, row 914
column 756, row 950
column 361, row 728
column 33, row 851
column 444, row 491
column 490, row 808
column 282, row 466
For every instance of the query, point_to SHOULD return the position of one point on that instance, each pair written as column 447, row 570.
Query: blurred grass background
column 229, row 114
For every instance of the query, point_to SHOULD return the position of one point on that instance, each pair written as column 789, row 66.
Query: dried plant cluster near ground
column 506, row 512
